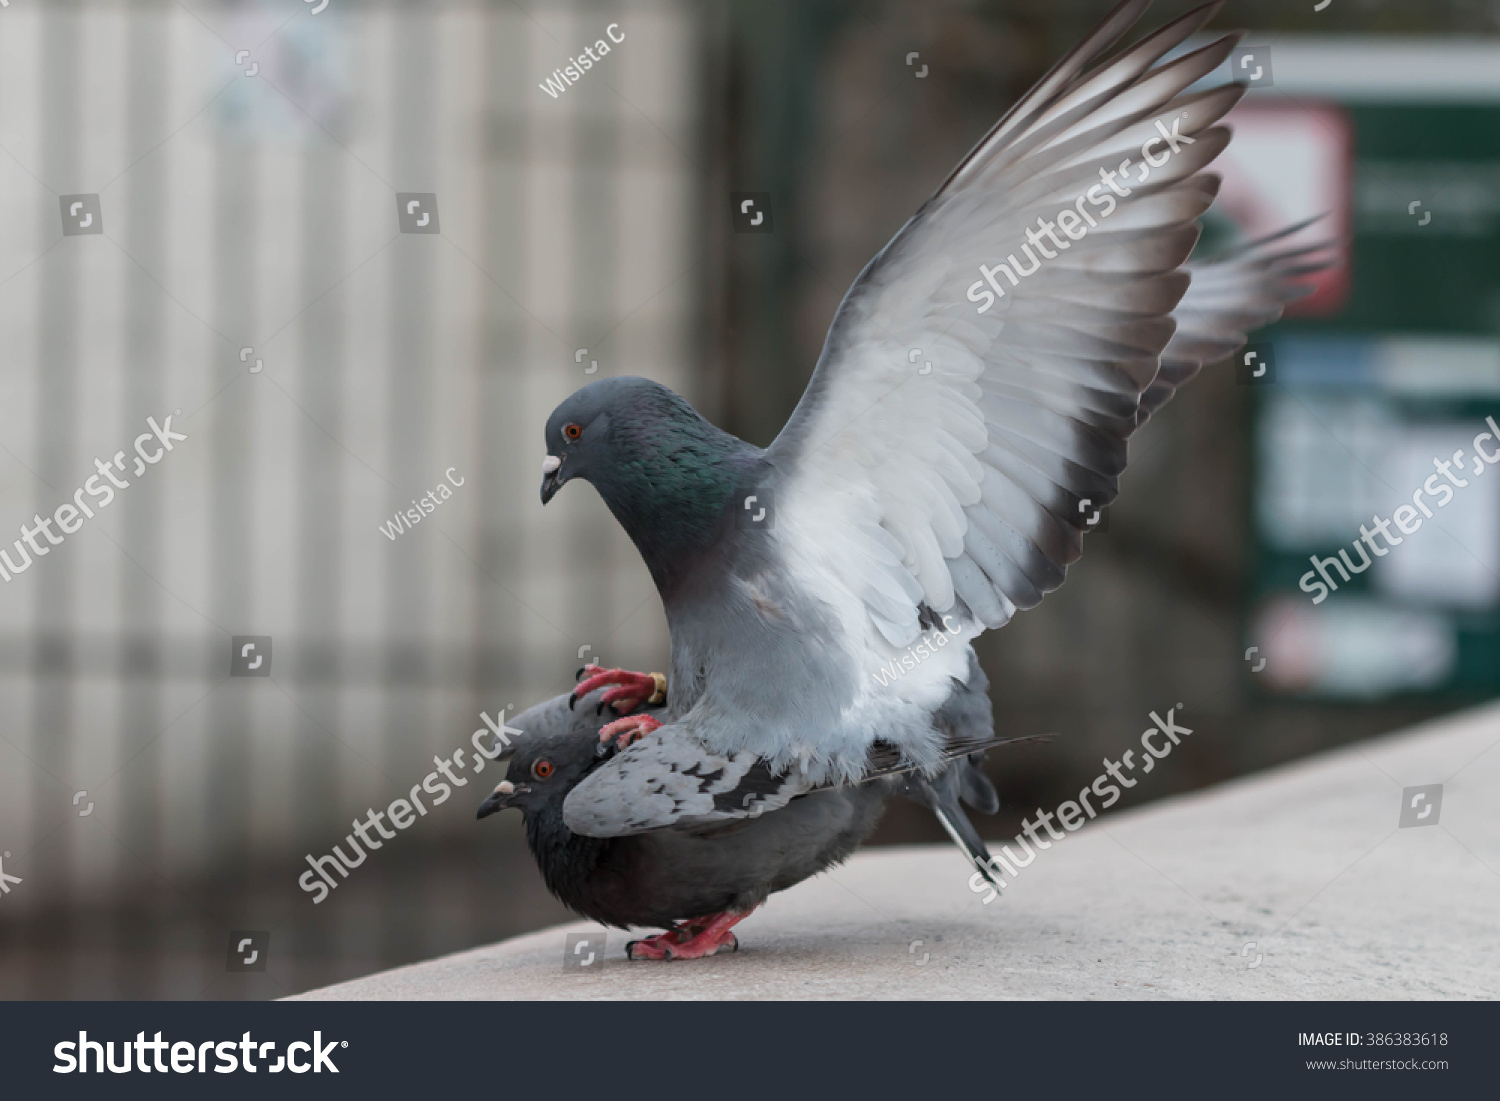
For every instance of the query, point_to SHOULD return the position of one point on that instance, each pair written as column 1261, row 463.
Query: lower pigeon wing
column 670, row 779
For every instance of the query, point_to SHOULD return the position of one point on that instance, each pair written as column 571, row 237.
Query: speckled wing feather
column 669, row 781
column 663, row 781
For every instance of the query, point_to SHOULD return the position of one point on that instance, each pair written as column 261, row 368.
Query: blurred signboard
column 1385, row 375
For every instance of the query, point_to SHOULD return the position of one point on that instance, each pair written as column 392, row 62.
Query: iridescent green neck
column 672, row 481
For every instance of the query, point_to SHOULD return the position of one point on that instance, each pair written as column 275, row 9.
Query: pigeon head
column 667, row 474
column 541, row 774
column 579, row 437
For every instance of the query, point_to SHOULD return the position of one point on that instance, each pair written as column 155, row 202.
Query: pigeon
column 698, row 883
column 970, row 411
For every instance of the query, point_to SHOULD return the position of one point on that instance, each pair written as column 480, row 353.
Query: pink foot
column 631, row 728
column 652, row 947
column 632, row 689
column 692, row 940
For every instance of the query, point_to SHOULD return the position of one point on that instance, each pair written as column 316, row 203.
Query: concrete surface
column 1295, row 883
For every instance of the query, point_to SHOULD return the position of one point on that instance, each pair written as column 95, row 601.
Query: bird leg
column 629, row 729
column 692, row 940
column 632, row 689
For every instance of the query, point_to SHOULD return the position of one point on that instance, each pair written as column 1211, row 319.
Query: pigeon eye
column 542, row 769
column 572, row 431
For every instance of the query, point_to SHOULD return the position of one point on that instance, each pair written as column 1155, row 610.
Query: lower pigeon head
column 541, row 774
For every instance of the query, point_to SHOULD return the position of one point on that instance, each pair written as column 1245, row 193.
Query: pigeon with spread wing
column 822, row 594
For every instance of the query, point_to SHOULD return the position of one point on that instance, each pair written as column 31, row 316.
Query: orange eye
column 572, row 431
column 542, row 769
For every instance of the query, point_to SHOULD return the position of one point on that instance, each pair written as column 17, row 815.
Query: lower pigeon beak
column 500, row 798
column 552, row 478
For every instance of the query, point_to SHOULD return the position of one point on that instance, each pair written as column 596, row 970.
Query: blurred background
column 202, row 220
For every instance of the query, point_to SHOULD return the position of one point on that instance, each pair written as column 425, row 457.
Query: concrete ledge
column 1296, row 883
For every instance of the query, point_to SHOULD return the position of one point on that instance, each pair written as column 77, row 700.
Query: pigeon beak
column 551, row 480
column 500, row 798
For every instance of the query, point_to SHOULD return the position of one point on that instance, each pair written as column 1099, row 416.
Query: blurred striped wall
column 259, row 212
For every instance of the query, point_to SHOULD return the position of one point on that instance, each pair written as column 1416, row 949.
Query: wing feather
column 964, row 485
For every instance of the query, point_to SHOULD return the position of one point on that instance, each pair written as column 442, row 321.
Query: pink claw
column 692, row 940
column 630, row 729
column 633, row 689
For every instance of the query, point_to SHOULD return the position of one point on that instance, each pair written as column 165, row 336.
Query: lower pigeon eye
column 572, row 431
column 542, row 769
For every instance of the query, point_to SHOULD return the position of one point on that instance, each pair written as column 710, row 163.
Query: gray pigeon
column 970, row 411
column 698, row 883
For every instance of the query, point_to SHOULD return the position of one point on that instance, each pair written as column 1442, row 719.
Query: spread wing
column 949, row 448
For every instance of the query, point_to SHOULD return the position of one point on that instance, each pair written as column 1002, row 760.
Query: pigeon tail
column 942, row 795
column 962, row 831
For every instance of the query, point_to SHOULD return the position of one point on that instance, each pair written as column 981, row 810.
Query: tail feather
column 885, row 759
column 967, row 838
column 942, row 795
